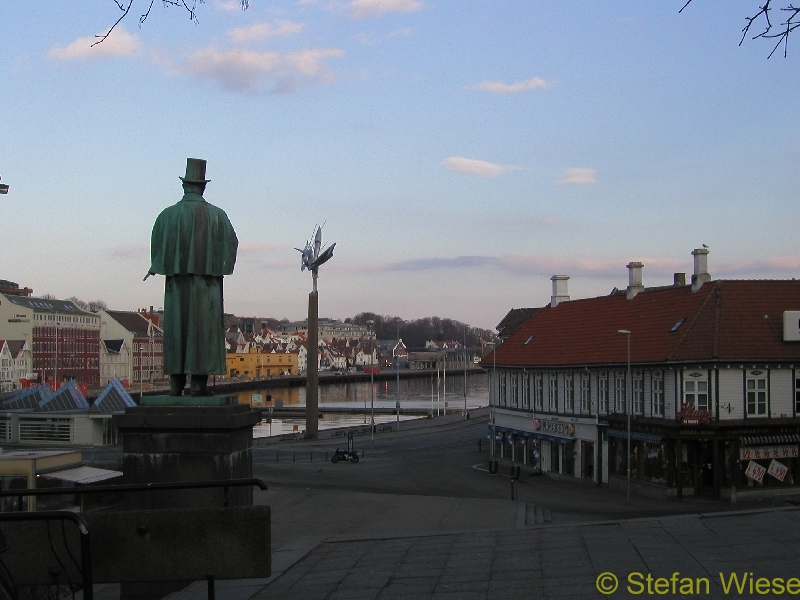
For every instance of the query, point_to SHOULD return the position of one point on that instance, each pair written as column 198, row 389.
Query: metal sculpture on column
column 312, row 258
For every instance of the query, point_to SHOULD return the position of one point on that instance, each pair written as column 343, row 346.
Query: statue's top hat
column 195, row 171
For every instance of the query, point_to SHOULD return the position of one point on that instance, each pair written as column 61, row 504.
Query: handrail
column 83, row 531
column 136, row 487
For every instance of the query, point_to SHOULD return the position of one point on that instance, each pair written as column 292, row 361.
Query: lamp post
column 465, row 372
column 492, row 397
column 141, row 388
column 397, row 371
column 627, row 410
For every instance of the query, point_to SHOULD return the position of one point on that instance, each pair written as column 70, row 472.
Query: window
column 569, row 393
column 538, row 392
column 602, row 394
column 756, row 390
column 696, row 394
column 658, row 394
column 526, row 390
column 619, row 393
column 638, row 394
column 503, row 390
column 586, row 393
column 553, row 396
column 515, row 390
column 797, row 395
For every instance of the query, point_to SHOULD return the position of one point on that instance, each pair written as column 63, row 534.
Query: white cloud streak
column 577, row 176
column 260, row 31
column 360, row 9
column 473, row 166
column 118, row 43
column 498, row 87
column 248, row 71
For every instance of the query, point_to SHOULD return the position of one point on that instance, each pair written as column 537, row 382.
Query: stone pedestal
column 187, row 443
column 173, row 440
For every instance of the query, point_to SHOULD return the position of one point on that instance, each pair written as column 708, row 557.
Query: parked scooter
column 351, row 455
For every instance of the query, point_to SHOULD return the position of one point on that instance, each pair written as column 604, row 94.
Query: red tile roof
column 724, row 320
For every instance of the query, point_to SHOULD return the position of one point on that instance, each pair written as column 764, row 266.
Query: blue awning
column 650, row 438
column 530, row 434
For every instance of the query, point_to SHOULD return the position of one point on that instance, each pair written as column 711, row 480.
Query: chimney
column 560, row 293
column 679, row 279
column 634, row 279
column 701, row 274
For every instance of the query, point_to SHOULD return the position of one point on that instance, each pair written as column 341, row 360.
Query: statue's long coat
column 194, row 245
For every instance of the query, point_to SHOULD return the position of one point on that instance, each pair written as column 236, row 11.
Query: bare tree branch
column 791, row 23
column 189, row 5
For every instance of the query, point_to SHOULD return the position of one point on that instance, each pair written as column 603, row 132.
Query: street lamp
column 3, row 188
column 627, row 410
column 492, row 402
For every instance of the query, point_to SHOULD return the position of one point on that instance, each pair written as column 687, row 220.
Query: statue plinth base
column 188, row 401
column 166, row 443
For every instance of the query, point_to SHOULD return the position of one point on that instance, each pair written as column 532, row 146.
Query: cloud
column 250, row 247
column 129, row 251
column 228, row 5
column 247, row 71
column 369, row 39
column 770, row 264
column 577, row 176
column 524, row 223
column 498, row 87
column 360, row 9
column 259, row 31
column 118, row 43
column 473, row 166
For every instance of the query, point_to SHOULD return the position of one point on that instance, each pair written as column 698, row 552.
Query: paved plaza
column 369, row 531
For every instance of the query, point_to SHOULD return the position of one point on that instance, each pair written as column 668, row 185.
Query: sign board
column 554, row 427
column 755, row 471
column 777, row 470
column 255, row 398
column 767, row 452
column 687, row 415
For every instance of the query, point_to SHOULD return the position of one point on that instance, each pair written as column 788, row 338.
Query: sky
column 459, row 153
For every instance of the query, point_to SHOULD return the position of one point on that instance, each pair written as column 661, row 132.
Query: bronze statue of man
column 194, row 245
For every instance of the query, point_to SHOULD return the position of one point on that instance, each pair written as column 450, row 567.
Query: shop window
column 756, row 392
column 569, row 393
column 586, row 393
column 696, row 394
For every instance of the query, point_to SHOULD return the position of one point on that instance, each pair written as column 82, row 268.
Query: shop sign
column 554, row 427
column 777, row 470
column 765, row 452
column 755, row 471
column 687, row 415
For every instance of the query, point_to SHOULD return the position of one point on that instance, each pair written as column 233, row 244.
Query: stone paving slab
column 552, row 561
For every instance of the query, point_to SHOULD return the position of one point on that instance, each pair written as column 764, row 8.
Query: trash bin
column 515, row 472
column 493, row 467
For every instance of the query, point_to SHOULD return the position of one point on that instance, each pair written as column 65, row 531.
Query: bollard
column 513, row 490
column 294, row 456
column 311, row 456
column 515, row 472
column 277, row 454
column 493, row 467
column 326, row 456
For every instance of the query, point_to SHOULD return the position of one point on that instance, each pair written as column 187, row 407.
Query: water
column 423, row 393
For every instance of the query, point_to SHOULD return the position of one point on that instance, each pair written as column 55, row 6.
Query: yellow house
column 257, row 364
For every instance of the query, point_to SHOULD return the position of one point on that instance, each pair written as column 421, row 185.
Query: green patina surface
column 188, row 400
